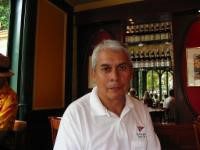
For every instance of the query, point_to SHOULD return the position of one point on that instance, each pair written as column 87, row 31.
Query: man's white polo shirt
column 88, row 125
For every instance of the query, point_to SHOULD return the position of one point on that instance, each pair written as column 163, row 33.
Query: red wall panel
column 192, row 40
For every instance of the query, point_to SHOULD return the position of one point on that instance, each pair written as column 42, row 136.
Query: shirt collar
column 99, row 109
column 96, row 105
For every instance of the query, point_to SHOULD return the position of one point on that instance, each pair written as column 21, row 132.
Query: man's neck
column 115, row 106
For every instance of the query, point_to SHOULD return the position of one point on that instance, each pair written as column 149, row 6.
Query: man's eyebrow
column 104, row 65
column 124, row 63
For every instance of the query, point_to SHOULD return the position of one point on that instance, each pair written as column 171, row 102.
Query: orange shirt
column 8, row 107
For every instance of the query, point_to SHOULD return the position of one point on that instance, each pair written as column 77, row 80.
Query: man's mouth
column 114, row 88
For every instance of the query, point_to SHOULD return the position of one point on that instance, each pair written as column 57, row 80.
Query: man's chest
column 109, row 133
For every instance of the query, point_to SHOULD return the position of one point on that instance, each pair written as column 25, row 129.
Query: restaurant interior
column 50, row 47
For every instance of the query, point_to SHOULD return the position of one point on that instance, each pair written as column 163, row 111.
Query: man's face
column 112, row 74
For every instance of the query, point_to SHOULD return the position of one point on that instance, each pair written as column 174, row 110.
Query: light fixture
column 130, row 19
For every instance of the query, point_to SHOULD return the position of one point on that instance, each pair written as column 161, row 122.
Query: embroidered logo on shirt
column 141, row 134
column 140, row 128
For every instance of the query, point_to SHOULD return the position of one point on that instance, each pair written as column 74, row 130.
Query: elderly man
column 108, row 118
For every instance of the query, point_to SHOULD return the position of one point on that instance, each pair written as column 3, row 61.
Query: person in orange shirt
column 8, row 97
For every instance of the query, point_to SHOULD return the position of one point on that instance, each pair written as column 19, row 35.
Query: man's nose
column 114, row 74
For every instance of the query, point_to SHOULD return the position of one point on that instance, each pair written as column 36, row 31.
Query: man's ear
column 93, row 78
column 93, row 73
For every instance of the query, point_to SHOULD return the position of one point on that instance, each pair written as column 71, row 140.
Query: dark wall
column 146, row 8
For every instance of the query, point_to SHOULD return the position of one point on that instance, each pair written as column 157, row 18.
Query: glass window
column 166, row 82
column 153, row 82
column 4, row 25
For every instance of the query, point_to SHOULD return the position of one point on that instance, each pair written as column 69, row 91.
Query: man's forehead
column 112, row 54
column 111, row 57
column 111, row 63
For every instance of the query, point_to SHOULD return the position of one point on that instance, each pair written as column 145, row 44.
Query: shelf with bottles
column 152, row 56
column 158, row 32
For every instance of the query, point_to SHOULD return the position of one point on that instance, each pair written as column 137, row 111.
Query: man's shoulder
column 139, row 109
column 136, row 102
column 80, row 102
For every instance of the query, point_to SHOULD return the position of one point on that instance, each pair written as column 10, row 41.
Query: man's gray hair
column 110, row 45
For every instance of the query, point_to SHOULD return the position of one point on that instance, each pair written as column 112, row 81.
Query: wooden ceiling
column 83, row 5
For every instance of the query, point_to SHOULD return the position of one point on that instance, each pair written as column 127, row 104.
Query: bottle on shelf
column 142, row 60
column 151, row 27
column 132, row 55
column 137, row 60
column 152, row 59
column 148, row 32
column 154, row 51
column 133, row 58
column 162, row 63
column 157, row 57
column 168, row 58
column 146, row 60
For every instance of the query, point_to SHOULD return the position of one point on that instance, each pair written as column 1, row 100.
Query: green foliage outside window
column 167, row 79
column 152, row 81
column 159, row 82
column 4, row 14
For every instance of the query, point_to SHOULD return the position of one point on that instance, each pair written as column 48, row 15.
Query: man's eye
column 123, row 67
column 106, row 69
